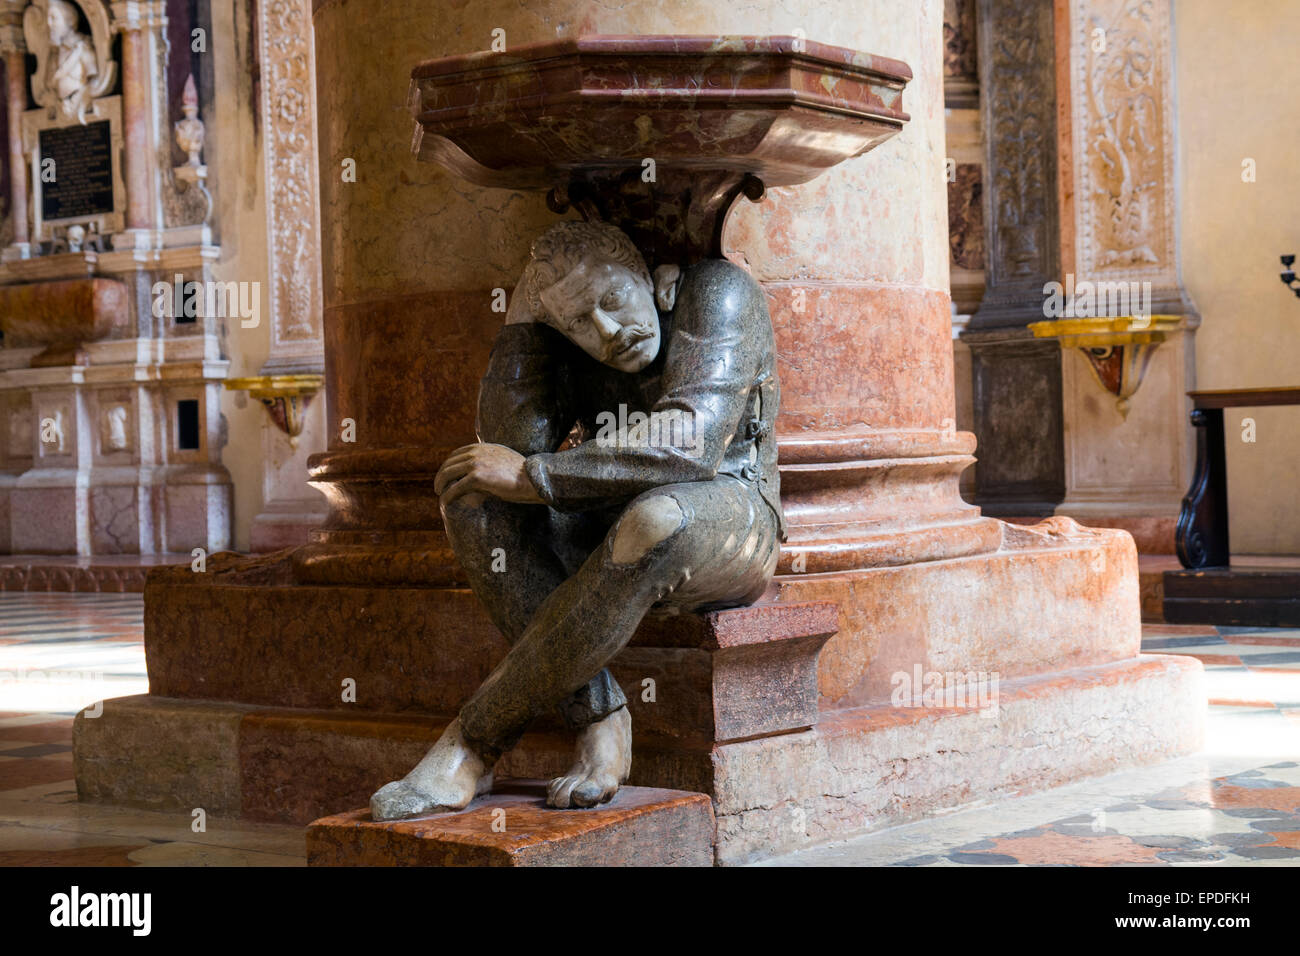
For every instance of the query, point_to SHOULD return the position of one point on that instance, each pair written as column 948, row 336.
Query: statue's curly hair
column 557, row 252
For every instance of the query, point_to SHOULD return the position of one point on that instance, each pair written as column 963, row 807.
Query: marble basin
column 661, row 132
column 62, row 315
column 782, row 108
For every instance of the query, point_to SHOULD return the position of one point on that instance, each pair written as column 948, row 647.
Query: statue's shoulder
column 721, row 285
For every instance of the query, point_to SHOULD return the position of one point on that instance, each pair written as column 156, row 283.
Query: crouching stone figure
column 626, row 463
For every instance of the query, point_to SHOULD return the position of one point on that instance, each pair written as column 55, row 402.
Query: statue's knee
column 645, row 524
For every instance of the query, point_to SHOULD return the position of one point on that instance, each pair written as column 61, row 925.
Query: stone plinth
column 255, row 724
column 717, row 676
column 512, row 826
column 858, row 769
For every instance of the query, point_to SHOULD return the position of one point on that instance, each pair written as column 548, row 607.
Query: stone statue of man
column 72, row 62
column 671, row 500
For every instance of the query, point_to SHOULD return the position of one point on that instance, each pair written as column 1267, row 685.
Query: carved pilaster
column 289, row 116
column 1016, row 382
column 1119, row 230
column 290, row 507
column 1017, row 80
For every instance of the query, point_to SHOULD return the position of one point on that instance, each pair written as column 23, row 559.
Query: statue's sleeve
column 710, row 367
column 523, row 401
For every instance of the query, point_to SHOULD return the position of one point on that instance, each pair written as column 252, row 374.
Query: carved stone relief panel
column 22, row 433
column 115, row 420
column 1122, row 101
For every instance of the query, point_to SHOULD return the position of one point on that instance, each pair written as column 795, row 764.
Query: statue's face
column 608, row 311
column 56, row 21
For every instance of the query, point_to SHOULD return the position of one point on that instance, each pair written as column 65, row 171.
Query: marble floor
column 1235, row 803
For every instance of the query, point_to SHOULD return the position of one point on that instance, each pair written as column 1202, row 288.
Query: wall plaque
column 83, row 171
column 84, row 185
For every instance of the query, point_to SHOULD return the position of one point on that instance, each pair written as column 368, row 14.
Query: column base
column 288, row 702
column 855, row 771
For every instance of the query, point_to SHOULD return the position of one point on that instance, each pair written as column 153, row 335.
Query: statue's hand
column 488, row 469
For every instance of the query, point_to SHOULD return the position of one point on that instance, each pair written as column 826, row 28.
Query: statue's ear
column 666, row 286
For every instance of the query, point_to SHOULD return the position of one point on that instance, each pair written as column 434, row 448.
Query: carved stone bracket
column 286, row 398
column 1118, row 350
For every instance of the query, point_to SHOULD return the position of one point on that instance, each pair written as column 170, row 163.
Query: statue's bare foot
column 448, row 778
column 604, row 759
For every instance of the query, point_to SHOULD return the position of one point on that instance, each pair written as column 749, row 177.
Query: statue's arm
column 720, row 326
column 523, row 399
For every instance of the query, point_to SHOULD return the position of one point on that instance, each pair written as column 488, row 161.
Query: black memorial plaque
column 83, row 171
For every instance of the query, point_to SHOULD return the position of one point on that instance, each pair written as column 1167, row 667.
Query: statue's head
column 61, row 20
column 589, row 282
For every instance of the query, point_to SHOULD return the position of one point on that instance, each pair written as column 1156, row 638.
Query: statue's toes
column 593, row 791
column 560, row 791
column 396, row 800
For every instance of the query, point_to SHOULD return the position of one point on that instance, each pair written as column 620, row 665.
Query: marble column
column 1016, row 379
column 14, row 50
column 142, row 25
column 870, row 455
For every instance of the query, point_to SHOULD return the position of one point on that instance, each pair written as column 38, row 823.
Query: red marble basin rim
column 538, row 115
column 63, row 312
column 892, row 72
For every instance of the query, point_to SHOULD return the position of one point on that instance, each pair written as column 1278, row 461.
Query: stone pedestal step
column 111, row 573
column 512, row 826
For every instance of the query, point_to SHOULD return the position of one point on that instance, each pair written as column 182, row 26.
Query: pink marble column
column 16, row 90
column 135, row 121
column 13, row 48
column 145, row 132
column 855, row 266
